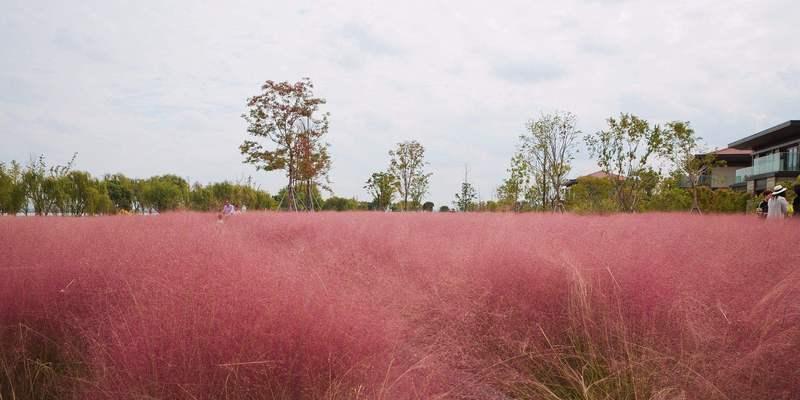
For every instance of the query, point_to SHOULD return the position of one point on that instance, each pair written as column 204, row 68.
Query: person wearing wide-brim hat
column 777, row 206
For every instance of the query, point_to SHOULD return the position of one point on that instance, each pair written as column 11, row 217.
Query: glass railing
column 743, row 173
column 775, row 162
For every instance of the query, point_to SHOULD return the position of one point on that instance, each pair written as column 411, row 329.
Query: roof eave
column 746, row 143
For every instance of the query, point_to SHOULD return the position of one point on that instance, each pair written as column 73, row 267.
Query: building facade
column 775, row 157
column 722, row 177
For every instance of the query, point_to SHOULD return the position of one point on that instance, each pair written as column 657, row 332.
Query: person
column 777, row 205
column 763, row 207
column 796, row 202
column 228, row 209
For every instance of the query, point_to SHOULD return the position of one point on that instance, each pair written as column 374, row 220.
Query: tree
column 201, row 198
column 12, row 189
column 683, row 152
column 517, row 183
column 120, row 191
column 334, row 203
column 623, row 150
column 407, row 166
column 301, row 196
column 549, row 148
column 164, row 193
column 44, row 185
column 286, row 114
column 592, row 195
column 427, row 206
column 313, row 164
column 465, row 199
column 80, row 191
column 444, row 209
column 382, row 186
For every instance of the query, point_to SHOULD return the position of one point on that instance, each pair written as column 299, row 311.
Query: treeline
column 287, row 127
column 627, row 152
column 39, row 189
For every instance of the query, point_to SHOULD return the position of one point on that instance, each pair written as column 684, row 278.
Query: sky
column 146, row 87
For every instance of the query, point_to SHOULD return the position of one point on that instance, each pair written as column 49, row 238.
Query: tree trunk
column 309, row 195
column 695, row 201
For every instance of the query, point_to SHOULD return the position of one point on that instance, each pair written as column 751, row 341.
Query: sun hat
column 778, row 189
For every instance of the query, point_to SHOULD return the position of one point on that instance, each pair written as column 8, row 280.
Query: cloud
column 367, row 41
column 525, row 72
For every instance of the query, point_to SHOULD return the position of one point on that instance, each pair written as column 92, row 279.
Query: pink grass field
column 400, row 306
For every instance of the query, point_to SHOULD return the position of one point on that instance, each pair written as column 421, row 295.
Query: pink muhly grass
column 388, row 306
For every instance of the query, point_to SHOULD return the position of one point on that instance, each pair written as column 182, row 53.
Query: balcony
column 775, row 162
column 742, row 174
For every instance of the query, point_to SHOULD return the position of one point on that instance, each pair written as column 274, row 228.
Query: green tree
column 549, row 148
column 45, row 186
column 428, row 206
column 12, row 189
column 98, row 200
column 407, row 165
column 591, row 195
column 683, row 152
column 263, row 201
column 334, row 203
column 669, row 196
column 120, row 191
column 286, row 114
column 79, row 190
column 516, row 185
column 465, row 199
column 623, row 150
column 164, row 193
column 301, row 196
column 202, row 198
column 382, row 186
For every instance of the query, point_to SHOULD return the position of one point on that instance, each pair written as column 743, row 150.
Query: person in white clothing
column 228, row 209
column 777, row 206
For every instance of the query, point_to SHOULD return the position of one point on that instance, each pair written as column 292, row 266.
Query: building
column 597, row 174
column 722, row 177
column 775, row 157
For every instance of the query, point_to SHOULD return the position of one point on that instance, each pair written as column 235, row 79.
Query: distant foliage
column 61, row 190
column 656, row 193
column 592, row 195
column 12, row 188
column 334, row 203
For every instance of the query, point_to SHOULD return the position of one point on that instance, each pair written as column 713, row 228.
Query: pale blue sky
column 149, row 88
